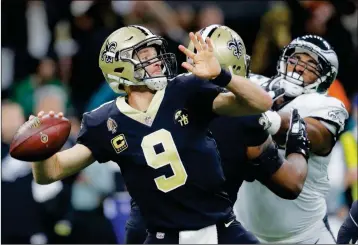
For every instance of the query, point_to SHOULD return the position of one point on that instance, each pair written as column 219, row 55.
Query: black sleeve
column 264, row 166
column 268, row 162
column 201, row 101
column 348, row 233
column 256, row 134
column 354, row 213
column 88, row 136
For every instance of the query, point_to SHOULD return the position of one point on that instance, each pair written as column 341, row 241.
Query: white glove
column 291, row 89
column 271, row 121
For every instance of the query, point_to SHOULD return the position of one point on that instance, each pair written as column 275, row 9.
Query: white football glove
column 290, row 89
column 271, row 121
column 275, row 92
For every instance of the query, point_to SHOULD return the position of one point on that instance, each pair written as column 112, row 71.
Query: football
column 40, row 138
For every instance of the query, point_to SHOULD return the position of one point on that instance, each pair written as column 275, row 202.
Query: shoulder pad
column 183, row 77
column 97, row 116
column 258, row 79
column 187, row 81
column 327, row 109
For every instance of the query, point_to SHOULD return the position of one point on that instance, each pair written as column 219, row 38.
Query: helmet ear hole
column 120, row 87
column 119, row 69
column 323, row 87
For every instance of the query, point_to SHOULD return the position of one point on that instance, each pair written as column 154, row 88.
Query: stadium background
column 49, row 52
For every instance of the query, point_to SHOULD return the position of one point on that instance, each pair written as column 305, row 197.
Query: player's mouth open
column 157, row 73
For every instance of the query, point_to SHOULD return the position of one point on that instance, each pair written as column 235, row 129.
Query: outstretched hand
column 205, row 64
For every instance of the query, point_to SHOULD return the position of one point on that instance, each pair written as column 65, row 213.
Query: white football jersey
column 273, row 219
column 258, row 79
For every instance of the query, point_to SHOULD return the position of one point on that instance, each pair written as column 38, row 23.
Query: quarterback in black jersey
column 158, row 135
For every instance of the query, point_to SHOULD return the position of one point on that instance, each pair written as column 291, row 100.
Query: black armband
column 268, row 162
column 223, row 79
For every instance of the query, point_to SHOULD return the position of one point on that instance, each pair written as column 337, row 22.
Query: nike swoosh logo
column 228, row 224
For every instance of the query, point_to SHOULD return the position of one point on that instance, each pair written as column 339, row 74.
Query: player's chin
column 141, row 88
column 157, row 74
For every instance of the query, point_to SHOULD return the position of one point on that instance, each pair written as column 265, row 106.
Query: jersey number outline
column 170, row 156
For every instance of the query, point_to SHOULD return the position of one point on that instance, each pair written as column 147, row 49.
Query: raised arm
column 244, row 97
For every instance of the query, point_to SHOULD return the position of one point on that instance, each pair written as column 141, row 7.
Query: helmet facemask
column 167, row 62
column 293, row 81
column 247, row 65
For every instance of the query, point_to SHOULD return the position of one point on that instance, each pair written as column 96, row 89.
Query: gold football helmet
column 229, row 49
column 120, row 63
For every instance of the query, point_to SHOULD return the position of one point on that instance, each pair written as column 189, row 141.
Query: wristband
column 223, row 79
column 274, row 122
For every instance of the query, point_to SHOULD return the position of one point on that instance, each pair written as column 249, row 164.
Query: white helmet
column 327, row 68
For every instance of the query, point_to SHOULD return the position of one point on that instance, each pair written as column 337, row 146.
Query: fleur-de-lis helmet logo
column 108, row 54
column 236, row 46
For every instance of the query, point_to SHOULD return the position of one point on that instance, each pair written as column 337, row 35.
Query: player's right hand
column 205, row 64
column 51, row 113
column 297, row 140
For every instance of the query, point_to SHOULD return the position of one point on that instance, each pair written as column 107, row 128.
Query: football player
column 306, row 69
column 348, row 233
column 158, row 135
column 246, row 149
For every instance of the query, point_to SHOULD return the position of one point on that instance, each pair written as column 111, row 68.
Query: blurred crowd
column 50, row 52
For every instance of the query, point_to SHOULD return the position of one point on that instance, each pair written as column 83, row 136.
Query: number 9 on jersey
column 170, row 155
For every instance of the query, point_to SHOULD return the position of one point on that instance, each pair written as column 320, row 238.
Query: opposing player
column 306, row 69
column 158, row 135
column 348, row 233
column 246, row 149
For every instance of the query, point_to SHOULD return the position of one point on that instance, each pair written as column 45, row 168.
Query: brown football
column 40, row 138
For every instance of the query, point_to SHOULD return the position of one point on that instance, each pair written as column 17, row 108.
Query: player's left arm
column 322, row 140
column 323, row 126
column 284, row 177
column 244, row 97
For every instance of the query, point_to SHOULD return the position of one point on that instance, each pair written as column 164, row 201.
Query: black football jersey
column 169, row 162
column 233, row 135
